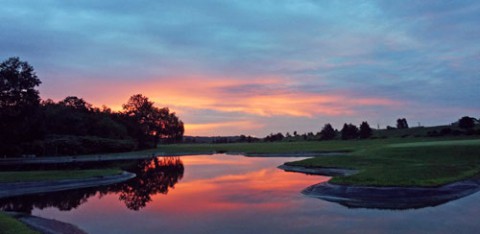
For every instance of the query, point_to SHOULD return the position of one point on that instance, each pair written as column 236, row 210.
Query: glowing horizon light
column 282, row 66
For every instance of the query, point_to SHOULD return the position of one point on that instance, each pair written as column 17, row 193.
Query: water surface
column 233, row 194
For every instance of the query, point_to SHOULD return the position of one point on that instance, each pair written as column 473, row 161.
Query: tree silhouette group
column 30, row 126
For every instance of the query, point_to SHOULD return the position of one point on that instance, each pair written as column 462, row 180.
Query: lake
column 232, row 194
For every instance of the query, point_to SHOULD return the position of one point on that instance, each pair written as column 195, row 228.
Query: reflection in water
column 153, row 177
column 392, row 198
column 235, row 194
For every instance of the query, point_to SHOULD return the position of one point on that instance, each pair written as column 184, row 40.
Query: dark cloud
column 420, row 52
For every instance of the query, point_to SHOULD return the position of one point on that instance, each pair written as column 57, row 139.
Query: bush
column 74, row 145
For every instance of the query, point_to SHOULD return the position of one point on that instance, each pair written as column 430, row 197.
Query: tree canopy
column 402, row 123
column 466, row 122
column 151, row 122
column 72, row 125
column 327, row 133
column 19, row 102
column 349, row 131
column 365, row 130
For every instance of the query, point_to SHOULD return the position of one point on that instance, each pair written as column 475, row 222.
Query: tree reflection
column 154, row 176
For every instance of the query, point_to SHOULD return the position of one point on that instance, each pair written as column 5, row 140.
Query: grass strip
column 31, row 176
column 9, row 225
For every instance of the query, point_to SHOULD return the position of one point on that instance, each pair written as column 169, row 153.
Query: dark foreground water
column 233, row 194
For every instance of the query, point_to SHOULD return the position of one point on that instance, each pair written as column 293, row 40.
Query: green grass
column 284, row 147
column 381, row 162
column 30, row 176
column 406, row 164
column 9, row 225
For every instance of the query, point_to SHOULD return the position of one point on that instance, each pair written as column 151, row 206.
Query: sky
column 256, row 67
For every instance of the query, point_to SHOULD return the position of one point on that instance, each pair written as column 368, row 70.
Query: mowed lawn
column 426, row 163
column 286, row 147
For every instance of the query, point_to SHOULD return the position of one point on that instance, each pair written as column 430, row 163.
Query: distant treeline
column 465, row 126
column 30, row 126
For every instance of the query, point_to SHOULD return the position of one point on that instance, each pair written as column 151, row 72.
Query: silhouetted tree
column 402, row 123
column 169, row 128
column 365, row 130
column 74, row 116
column 149, row 122
column 274, row 137
column 466, row 122
column 327, row 132
column 19, row 102
column 76, row 103
column 349, row 131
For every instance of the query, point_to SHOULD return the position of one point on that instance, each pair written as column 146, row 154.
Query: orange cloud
column 261, row 96
column 205, row 128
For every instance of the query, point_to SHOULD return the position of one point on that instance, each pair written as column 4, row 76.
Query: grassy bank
column 30, row 176
column 288, row 147
column 426, row 163
column 9, row 225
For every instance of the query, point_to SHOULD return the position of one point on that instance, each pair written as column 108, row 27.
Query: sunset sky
column 256, row 67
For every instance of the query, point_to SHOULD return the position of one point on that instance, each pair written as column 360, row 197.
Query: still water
column 233, row 194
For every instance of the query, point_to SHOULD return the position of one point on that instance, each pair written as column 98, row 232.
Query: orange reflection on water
column 215, row 192
column 240, row 191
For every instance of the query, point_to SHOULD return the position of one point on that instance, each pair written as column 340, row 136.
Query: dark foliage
column 349, row 131
column 150, row 124
column 365, row 130
column 274, row 137
column 327, row 133
column 402, row 123
column 19, row 106
column 466, row 122
column 74, row 126
column 390, row 127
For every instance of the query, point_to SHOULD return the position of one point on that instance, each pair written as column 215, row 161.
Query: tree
column 139, row 114
column 402, row 123
column 151, row 124
column 274, row 137
column 349, row 131
column 76, row 103
column 167, row 126
column 365, row 130
column 327, row 133
column 19, row 105
column 466, row 122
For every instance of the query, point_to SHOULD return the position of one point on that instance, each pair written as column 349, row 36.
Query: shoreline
column 383, row 197
column 325, row 171
column 43, row 225
column 71, row 159
column 26, row 188
column 109, row 158
column 299, row 154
